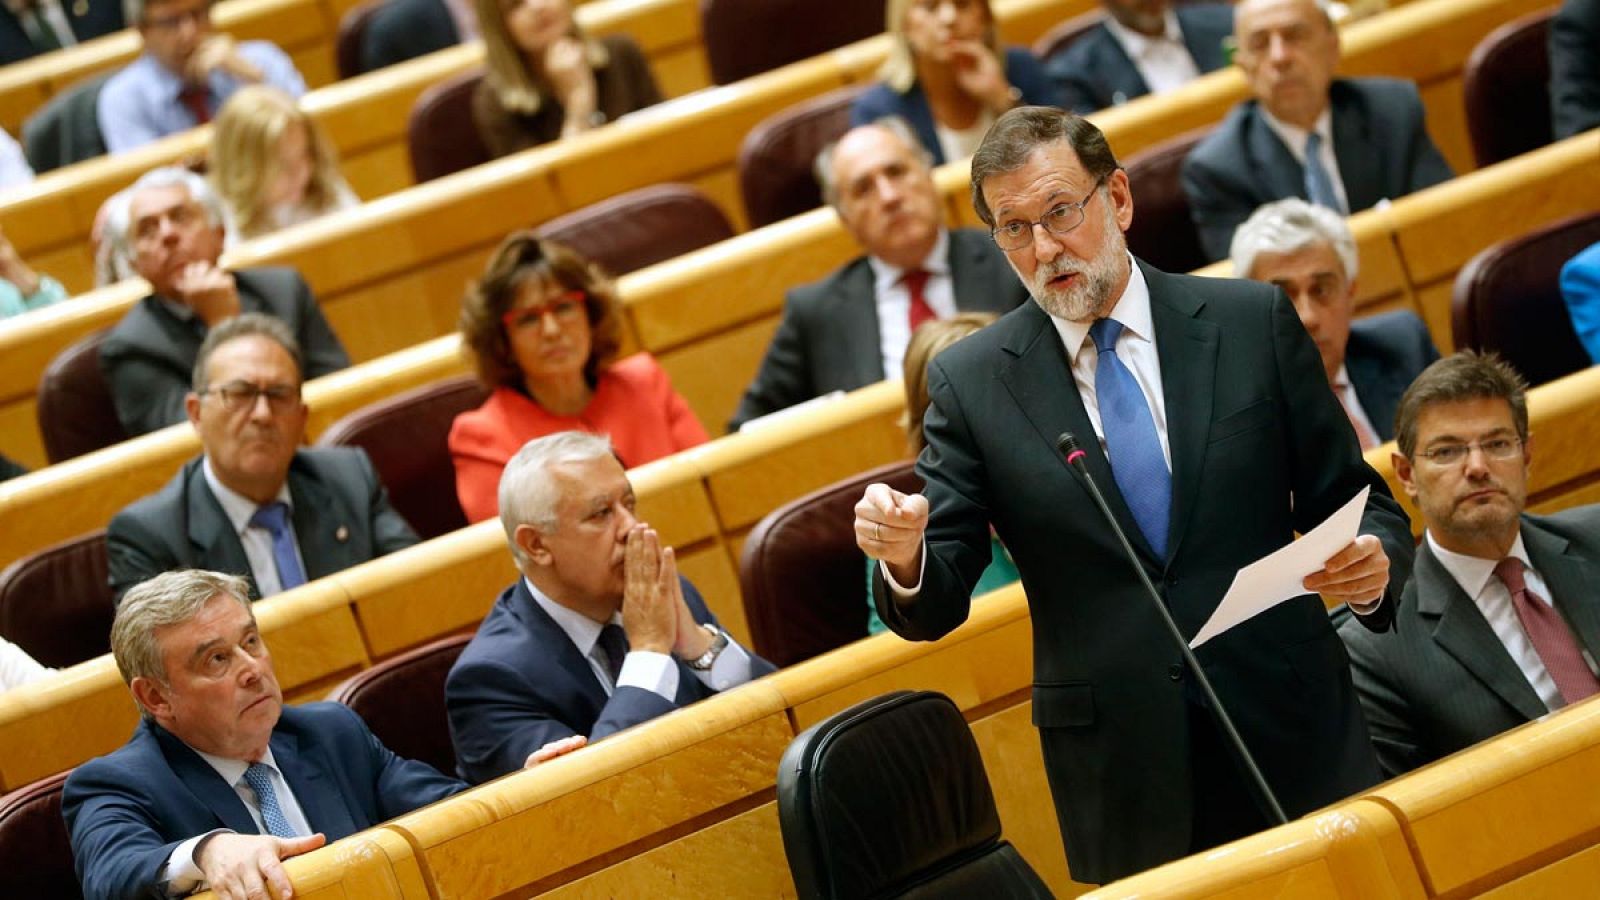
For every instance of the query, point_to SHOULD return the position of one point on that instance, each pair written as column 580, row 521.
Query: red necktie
column 194, row 98
column 915, row 280
column 1363, row 433
column 1552, row 639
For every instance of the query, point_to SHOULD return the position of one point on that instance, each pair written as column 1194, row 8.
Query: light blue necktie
column 1319, row 184
column 259, row 777
column 274, row 517
column 1131, row 440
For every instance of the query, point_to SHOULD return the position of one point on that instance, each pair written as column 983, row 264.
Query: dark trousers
column 1225, row 806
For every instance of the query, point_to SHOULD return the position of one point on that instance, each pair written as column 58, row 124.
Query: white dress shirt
column 894, row 300
column 182, row 875
column 17, row 667
column 1476, row 577
column 1163, row 61
column 1295, row 139
column 257, row 541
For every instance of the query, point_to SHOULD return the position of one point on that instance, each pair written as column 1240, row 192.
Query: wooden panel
column 1010, row 747
column 19, row 437
column 440, row 586
column 377, row 864
column 715, row 574
column 1573, row 876
column 712, row 373
column 312, row 634
column 338, row 394
column 52, row 725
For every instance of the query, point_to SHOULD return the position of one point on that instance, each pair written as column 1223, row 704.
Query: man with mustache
column 1343, row 143
column 256, row 503
column 1204, row 417
column 1500, row 622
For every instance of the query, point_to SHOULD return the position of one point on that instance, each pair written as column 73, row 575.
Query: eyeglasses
column 1061, row 219
column 566, row 308
column 199, row 15
column 1447, row 455
column 238, row 396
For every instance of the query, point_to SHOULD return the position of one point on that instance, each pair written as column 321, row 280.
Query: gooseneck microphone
column 1069, row 449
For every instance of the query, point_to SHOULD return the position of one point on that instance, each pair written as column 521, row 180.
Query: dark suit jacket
column 335, row 492
column 1385, row 354
column 406, row 29
column 829, row 341
column 1260, row 449
column 1380, row 141
column 1022, row 70
column 128, row 811
column 1575, row 67
column 148, row 358
column 98, row 17
column 1095, row 71
column 1442, row 681
column 521, row 683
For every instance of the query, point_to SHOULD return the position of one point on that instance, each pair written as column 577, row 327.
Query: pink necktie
column 1363, row 433
column 915, row 281
column 1552, row 639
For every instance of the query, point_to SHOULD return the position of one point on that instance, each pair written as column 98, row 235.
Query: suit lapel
column 1117, row 69
column 1353, row 151
column 1277, row 166
column 546, row 639
column 1187, row 347
column 1574, row 582
column 320, row 527
column 317, row 797
column 211, row 535
column 854, row 312
column 1459, row 628
column 203, row 781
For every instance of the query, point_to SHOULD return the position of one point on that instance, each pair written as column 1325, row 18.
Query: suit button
column 1175, row 672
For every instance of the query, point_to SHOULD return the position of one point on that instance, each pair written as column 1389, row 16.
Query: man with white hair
column 1309, row 252
column 172, row 225
column 600, row 633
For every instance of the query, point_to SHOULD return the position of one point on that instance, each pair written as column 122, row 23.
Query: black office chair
column 890, row 799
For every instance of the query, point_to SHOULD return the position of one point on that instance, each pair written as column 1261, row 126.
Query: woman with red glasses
column 541, row 326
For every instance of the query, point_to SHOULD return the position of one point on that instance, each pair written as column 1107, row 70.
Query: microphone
column 1068, row 447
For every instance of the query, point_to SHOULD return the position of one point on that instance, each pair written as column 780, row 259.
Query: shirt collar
column 1132, row 310
column 236, row 506
column 937, row 262
column 1137, row 44
column 232, row 770
column 1472, row 572
column 1293, row 136
column 580, row 629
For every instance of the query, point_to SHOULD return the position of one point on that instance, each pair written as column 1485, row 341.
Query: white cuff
column 651, row 671
column 182, row 875
column 900, row 591
column 731, row 669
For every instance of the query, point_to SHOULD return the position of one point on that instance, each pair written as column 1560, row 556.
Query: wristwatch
column 719, row 643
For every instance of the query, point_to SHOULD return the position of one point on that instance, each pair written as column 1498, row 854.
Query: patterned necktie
column 1131, row 440
column 613, row 646
column 259, row 777
column 916, row 280
column 274, row 517
column 1319, row 185
column 1551, row 638
column 196, row 99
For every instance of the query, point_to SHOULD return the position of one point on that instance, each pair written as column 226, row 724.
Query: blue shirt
column 12, row 302
column 140, row 103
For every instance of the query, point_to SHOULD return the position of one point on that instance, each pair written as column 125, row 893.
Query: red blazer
column 633, row 403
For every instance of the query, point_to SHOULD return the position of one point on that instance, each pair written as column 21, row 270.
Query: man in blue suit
column 221, row 781
column 1141, row 47
column 599, row 634
column 1309, row 252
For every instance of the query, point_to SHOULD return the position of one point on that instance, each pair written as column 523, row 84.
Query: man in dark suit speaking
column 1206, row 420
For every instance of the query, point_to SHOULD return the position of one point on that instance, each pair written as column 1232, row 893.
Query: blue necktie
column 1319, row 185
column 274, row 517
column 1131, row 439
column 259, row 777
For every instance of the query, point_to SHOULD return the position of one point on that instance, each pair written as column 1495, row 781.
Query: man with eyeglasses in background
column 1500, row 622
column 186, row 73
column 256, row 503
column 172, row 229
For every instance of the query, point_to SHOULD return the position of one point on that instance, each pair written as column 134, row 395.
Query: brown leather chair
column 440, row 134
column 776, row 159
column 1506, row 89
column 748, row 37
column 57, row 603
column 402, row 701
column 406, row 436
column 35, row 852
column 352, row 31
column 1508, row 299
column 76, row 413
column 803, row 578
column 1067, row 33
column 1163, row 233
column 641, row 228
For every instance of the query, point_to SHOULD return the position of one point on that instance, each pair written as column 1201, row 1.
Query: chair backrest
column 1508, row 299
column 402, row 701
column 407, row 438
column 1162, row 233
column 66, row 129
column 1505, row 87
column 352, row 33
column 57, row 603
column 776, row 158
column 35, row 853
column 641, row 228
column 76, row 412
column 440, row 133
column 889, row 798
column 803, row 579
column 1064, row 35
column 744, row 38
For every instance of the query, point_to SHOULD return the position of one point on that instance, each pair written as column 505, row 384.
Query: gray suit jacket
column 1442, row 681
column 341, row 518
column 829, row 341
column 1380, row 141
column 1095, row 71
column 148, row 358
column 1385, row 354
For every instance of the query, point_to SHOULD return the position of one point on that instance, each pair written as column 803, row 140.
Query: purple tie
column 1552, row 639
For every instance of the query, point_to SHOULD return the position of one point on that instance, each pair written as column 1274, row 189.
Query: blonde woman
column 949, row 77
column 272, row 165
column 546, row 80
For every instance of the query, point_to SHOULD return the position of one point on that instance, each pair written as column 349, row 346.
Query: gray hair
column 1019, row 132
column 1289, row 226
column 822, row 168
column 168, row 599
column 250, row 324
column 119, row 212
column 528, row 495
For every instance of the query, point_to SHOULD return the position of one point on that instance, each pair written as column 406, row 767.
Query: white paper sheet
column 1277, row 576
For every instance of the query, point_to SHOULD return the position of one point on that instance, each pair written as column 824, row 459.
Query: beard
column 1089, row 295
